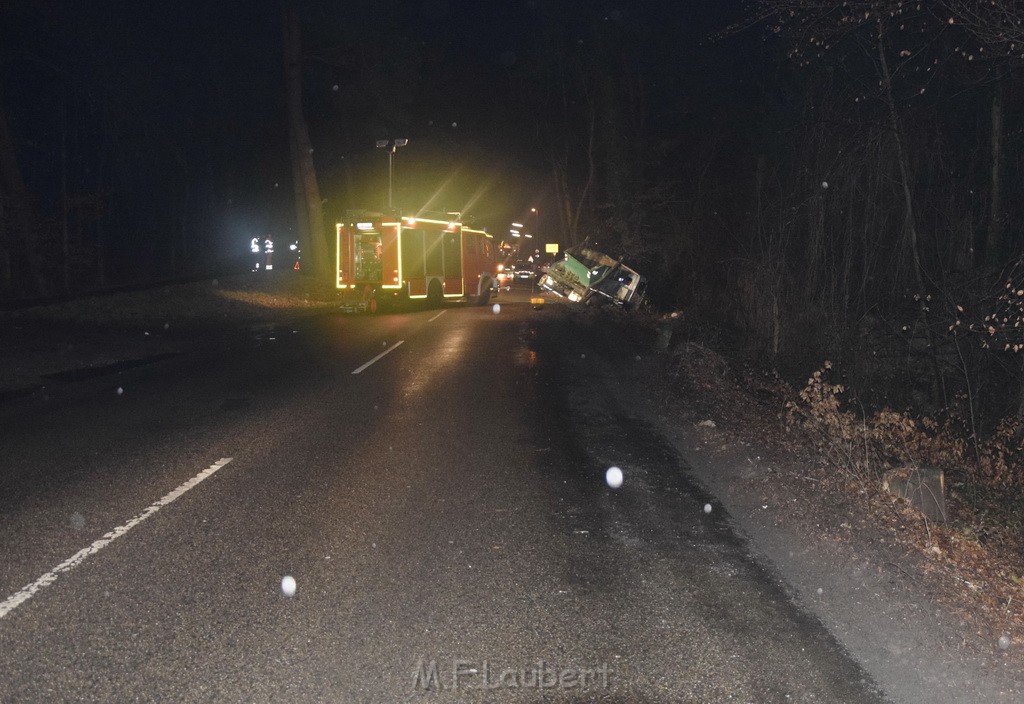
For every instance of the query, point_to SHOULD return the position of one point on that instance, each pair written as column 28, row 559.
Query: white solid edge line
column 437, row 316
column 387, row 351
column 18, row 598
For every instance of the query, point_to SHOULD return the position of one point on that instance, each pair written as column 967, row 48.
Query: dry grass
column 840, row 456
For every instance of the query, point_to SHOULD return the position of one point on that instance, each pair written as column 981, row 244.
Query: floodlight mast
column 392, row 146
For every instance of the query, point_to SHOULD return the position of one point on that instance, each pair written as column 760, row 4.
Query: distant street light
column 392, row 146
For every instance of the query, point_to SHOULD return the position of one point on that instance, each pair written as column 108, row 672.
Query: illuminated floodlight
column 392, row 146
column 364, row 225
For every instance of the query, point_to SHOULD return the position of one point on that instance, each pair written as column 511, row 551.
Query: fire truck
column 385, row 261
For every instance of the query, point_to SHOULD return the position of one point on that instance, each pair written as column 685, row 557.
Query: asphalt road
column 444, row 514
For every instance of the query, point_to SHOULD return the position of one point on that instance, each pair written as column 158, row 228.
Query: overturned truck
column 587, row 276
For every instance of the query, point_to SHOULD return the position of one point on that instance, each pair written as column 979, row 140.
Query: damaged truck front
column 588, row 276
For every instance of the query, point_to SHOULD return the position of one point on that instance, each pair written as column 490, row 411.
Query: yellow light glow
column 414, row 220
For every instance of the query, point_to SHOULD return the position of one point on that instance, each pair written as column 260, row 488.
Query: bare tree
column 308, row 204
column 998, row 27
column 19, row 245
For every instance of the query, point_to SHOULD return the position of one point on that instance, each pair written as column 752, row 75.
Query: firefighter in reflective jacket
column 268, row 249
column 254, row 247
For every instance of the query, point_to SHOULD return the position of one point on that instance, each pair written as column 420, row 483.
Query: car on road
column 505, row 276
column 524, row 271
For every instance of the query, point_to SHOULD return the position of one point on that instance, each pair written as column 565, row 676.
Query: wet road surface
column 444, row 514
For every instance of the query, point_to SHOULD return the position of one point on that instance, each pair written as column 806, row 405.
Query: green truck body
column 587, row 276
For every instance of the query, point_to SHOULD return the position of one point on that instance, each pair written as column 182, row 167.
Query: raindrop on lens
column 707, row 508
column 1004, row 642
column 496, row 308
column 120, row 390
column 614, row 477
column 288, row 585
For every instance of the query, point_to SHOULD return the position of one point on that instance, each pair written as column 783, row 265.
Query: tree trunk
column 6, row 284
column 910, row 225
column 24, row 236
column 574, row 232
column 308, row 205
column 994, row 232
column 570, row 208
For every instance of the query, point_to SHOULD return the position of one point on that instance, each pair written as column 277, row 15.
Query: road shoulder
column 887, row 604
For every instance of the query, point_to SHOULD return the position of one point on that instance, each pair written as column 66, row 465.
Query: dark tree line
column 131, row 135
column 891, row 208
column 818, row 180
column 814, row 179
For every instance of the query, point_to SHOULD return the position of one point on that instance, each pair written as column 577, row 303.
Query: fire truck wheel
column 485, row 293
column 435, row 294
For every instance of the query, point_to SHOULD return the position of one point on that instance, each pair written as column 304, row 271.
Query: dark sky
column 172, row 107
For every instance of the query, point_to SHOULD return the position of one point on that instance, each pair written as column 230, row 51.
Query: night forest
column 826, row 188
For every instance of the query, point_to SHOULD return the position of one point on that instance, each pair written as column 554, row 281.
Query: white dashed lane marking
column 389, row 350
column 18, row 598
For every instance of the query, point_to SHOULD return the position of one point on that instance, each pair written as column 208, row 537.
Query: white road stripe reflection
column 18, row 598
column 389, row 350
column 437, row 316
